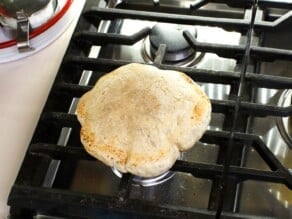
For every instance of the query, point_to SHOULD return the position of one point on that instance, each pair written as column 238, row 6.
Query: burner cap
column 177, row 48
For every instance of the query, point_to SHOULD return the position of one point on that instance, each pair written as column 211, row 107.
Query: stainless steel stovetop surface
column 185, row 190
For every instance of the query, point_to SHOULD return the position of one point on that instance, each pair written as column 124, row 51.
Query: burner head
column 147, row 182
column 177, row 48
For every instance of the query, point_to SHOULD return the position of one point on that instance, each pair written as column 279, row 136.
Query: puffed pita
column 138, row 118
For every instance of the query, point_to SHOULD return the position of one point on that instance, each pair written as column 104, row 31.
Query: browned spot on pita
column 87, row 136
column 109, row 150
column 80, row 109
column 197, row 113
column 113, row 152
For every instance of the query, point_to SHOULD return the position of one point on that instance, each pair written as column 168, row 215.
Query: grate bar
column 63, row 203
column 58, row 152
column 160, row 54
column 210, row 171
column 254, row 109
column 268, row 81
column 111, row 13
column 199, row 75
column 155, row 6
column 95, row 14
column 237, row 51
column 285, row 4
column 198, row 4
column 234, row 3
column 213, row 137
column 267, row 155
column 224, row 183
column 281, row 22
column 110, row 38
column 270, row 54
column 59, row 118
column 228, row 51
column 202, row 170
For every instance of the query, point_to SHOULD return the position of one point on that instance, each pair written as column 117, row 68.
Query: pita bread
column 138, row 118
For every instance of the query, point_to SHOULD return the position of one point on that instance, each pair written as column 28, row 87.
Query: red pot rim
column 43, row 27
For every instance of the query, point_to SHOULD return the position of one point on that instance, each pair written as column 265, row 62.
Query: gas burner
column 147, row 182
column 284, row 124
column 178, row 51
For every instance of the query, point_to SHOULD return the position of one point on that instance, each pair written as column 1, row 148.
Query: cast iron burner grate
column 29, row 196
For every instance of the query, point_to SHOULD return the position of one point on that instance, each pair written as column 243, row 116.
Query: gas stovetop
column 241, row 168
